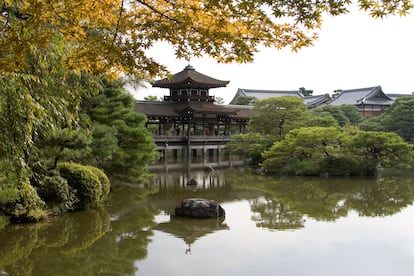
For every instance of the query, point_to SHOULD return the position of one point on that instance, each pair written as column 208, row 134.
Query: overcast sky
column 353, row 51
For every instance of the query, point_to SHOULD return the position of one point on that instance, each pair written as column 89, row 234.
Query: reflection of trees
column 275, row 215
column 16, row 243
column 321, row 199
column 84, row 243
column 384, row 197
column 288, row 200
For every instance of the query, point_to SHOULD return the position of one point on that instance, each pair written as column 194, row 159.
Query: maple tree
column 112, row 36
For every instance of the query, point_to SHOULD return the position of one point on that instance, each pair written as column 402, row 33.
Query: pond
column 273, row 226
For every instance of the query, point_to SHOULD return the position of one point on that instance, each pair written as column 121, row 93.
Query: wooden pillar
column 219, row 154
column 166, row 156
column 204, row 155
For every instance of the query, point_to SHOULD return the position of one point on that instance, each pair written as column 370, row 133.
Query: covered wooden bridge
column 188, row 120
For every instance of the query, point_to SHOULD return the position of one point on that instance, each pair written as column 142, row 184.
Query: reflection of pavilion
column 190, row 230
column 205, row 180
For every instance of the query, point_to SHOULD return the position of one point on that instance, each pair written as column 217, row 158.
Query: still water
column 273, row 226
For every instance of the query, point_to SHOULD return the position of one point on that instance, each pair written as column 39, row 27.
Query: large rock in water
column 199, row 208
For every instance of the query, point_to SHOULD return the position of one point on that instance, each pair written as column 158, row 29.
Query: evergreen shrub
column 26, row 206
column 56, row 192
column 340, row 166
column 304, row 168
column 85, row 181
column 105, row 183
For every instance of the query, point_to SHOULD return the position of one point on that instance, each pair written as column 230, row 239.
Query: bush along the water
column 105, row 182
column 85, row 181
column 25, row 206
column 341, row 166
column 56, row 192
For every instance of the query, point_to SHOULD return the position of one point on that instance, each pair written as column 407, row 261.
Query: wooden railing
column 192, row 138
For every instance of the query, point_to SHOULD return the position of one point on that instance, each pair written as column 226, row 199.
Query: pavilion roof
column 189, row 77
column 177, row 109
column 360, row 96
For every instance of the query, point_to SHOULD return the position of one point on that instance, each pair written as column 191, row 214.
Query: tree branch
column 118, row 22
column 157, row 11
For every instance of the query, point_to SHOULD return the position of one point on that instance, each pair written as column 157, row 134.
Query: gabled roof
column 264, row 94
column 317, row 100
column 369, row 95
column 189, row 77
column 311, row 101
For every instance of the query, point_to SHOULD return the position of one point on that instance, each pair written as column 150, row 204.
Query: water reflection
column 286, row 202
column 191, row 230
column 97, row 241
column 112, row 239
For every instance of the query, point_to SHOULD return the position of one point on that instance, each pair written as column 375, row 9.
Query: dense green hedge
column 90, row 183
column 84, row 181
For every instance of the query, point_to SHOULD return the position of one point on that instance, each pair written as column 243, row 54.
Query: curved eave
column 189, row 77
column 166, row 83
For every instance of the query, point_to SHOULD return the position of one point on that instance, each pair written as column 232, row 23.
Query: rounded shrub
column 105, row 183
column 84, row 181
column 56, row 192
column 26, row 206
column 340, row 165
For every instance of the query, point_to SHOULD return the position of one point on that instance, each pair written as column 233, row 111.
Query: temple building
column 371, row 101
column 189, row 109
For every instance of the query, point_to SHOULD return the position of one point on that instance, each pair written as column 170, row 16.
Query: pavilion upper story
column 189, row 109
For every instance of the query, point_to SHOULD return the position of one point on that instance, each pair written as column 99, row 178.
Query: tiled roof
column 311, row 101
column 369, row 95
column 175, row 109
column 316, row 100
column 190, row 76
column 154, row 108
column 264, row 94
